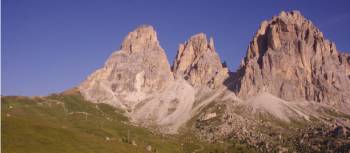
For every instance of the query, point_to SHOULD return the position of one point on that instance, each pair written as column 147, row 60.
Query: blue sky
column 52, row 45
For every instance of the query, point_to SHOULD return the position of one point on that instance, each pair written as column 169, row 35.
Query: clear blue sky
column 52, row 45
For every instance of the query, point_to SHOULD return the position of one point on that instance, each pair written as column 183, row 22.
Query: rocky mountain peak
column 291, row 23
column 198, row 62
column 290, row 58
column 139, row 67
column 142, row 38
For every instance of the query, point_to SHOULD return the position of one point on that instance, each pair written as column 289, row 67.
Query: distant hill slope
column 67, row 123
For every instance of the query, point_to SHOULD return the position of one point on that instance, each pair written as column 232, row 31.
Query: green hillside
column 66, row 123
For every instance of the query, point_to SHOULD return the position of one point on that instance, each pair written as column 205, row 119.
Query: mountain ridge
column 290, row 94
column 288, row 57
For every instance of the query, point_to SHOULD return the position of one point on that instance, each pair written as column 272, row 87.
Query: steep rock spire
column 290, row 58
column 140, row 66
column 198, row 62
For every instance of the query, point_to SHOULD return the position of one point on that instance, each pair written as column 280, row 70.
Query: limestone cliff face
column 138, row 68
column 139, row 80
column 290, row 58
column 198, row 62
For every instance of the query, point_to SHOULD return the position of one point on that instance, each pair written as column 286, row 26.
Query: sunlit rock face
column 198, row 62
column 140, row 67
column 290, row 58
column 139, row 80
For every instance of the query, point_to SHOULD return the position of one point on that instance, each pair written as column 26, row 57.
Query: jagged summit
column 139, row 67
column 290, row 58
column 268, row 33
column 138, row 79
column 142, row 38
column 198, row 62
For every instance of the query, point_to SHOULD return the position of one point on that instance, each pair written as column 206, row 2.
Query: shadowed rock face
column 289, row 57
column 140, row 66
column 198, row 62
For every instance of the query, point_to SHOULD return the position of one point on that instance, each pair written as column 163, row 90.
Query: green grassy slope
column 66, row 123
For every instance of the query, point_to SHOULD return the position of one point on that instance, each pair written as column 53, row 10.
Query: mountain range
column 291, row 92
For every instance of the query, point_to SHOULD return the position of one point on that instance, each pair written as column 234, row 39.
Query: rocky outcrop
column 138, row 79
column 290, row 58
column 198, row 62
column 140, row 67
